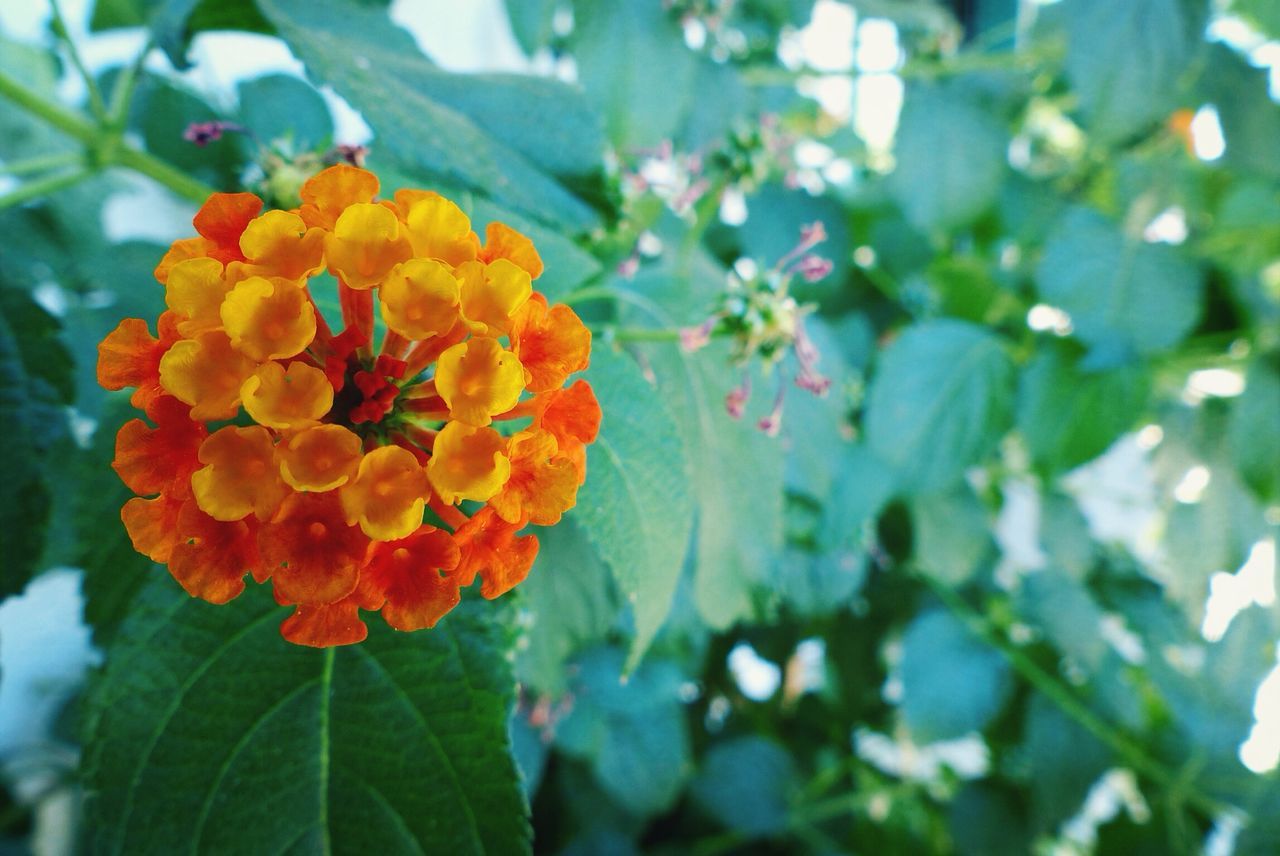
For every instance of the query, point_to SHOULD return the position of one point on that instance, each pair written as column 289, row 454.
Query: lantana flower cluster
column 350, row 479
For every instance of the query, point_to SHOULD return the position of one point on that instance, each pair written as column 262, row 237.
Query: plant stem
column 42, row 163
column 43, row 186
column 1066, row 700
column 644, row 334
column 96, row 104
column 104, row 146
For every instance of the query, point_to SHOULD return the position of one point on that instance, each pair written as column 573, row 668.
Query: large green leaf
column 1123, row 295
column 488, row 133
column 635, row 504
column 208, row 733
column 1126, row 60
column 748, row 784
column 35, row 384
column 943, row 186
column 635, row 67
column 1250, row 118
column 951, row 535
column 952, row 682
column 941, row 400
column 277, row 105
column 1069, row 416
column 572, row 605
column 1065, row 760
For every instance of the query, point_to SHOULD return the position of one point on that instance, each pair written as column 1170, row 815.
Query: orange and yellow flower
column 320, row 481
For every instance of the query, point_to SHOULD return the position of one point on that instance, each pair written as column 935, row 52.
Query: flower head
column 327, row 454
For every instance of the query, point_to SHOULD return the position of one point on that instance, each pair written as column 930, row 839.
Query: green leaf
column 940, row 401
column 944, row 187
column 1064, row 534
column 632, row 732
column 1125, row 60
column 951, row 535
column 1249, row 117
column 277, row 106
column 635, row 68
column 748, row 785
column 207, row 732
column 1069, row 415
column 739, row 508
column 1124, row 296
column 635, row 504
column 487, row 133
column 571, row 599
column 1254, row 431
column 983, row 820
column 35, row 384
column 166, row 19
column 22, row 135
column 952, row 682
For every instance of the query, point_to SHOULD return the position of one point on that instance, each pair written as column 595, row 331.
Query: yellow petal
column 479, row 379
column 269, row 319
column 240, row 476
column 281, row 243
column 367, row 242
column 387, row 495
column 491, row 294
column 468, row 463
column 282, row 398
column 195, row 290
column 438, row 229
column 320, row 458
column 420, row 299
column 206, row 373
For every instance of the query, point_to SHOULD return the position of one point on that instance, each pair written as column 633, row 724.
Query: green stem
column 1067, row 701
column 96, row 104
column 105, row 146
column 126, row 83
column 591, row 292
column 644, row 334
column 43, row 163
column 43, row 186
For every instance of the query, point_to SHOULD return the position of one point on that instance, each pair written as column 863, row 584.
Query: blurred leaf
column 165, row 18
column 488, row 133
column 952, row 682
column 985, row 821
column 633, row 733
column 1211, row 536
column 635, row 506
column 721, row 102
column 531, row 22
column 1064, row 610
column 531, row 753
column 1126, row 60
column 1064, row 761
column 572, row 600
column 941, row 399
column 863, row 486
column 748, row 784
column 1254, row 431
column 950, row 158
column 1064, row 534
column 775, row 216
column 951, row 534
column 635, row 68
column 1250, row 118
column 816, row 430
column 277, row 106
column 208, row 731
column 160, row 112
column 22, row 135
column 1124, row 296
column 1069, row 415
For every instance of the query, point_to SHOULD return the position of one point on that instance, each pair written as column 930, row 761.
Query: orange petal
column 129, row 356
column 212, row 556
column 207, row 373
column 221, row 221
column 503, row 242
column 388, row 494
column 327, row 193
column 550, row 343
column 239, row 476
column 152, row 525
column 280, row 243
column 407, row 572
column 161, row 459
column 180, row 251
column 325, row 625
column 320, row 458
column 491, row 549
column 542, row 486
column 311, row 551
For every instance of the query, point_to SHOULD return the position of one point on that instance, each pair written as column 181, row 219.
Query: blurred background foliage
column 1008, row 587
